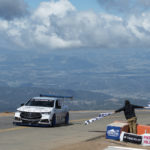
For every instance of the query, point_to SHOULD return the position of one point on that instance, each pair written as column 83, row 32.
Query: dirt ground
column 99, row 143
column 6, row 114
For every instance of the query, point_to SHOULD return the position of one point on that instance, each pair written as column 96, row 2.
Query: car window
column 58, row 105
column 40, row 103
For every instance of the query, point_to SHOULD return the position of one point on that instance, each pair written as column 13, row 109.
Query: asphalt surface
column 6, row 121
column 37, row 138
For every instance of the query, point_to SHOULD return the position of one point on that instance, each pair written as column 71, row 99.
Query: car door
column 58, row 111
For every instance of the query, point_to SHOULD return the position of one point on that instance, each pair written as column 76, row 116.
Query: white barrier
column 121, row 148
column 146, row 139
column 101, row 115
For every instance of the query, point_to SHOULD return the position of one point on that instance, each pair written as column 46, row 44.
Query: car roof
column 45, row 98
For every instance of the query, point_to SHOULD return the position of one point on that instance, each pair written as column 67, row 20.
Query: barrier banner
column 131, row 138
column 101, row 115
column 113, row 133
column 146, row 139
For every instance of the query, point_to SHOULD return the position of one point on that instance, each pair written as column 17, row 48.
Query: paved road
column 35, row 138
column 6, row 121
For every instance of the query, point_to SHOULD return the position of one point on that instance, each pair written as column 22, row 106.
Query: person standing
column 129, row 112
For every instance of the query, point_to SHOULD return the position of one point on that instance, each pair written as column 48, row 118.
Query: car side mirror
column 22, row 104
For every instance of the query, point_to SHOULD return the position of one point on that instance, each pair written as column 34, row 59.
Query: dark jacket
column 129, row 110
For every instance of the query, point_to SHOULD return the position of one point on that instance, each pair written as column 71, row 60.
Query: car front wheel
column 54, row 121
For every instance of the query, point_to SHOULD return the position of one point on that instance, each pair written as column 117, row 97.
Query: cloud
column 125, row 7
column 10, row 9
column 58, row 25
column 46, row 9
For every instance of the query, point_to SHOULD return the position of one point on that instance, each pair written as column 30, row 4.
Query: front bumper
column 36, row 123
column 31, row 124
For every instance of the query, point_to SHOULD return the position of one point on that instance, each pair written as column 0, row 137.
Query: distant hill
column 119, row 73
column 11, row 98
column 98, row 79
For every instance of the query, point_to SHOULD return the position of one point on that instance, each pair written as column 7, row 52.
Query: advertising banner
column 131, row 138
column 146, row 140
column 113, row 133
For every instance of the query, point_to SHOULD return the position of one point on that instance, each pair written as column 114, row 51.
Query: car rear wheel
column 67, row 118
column 54, row 121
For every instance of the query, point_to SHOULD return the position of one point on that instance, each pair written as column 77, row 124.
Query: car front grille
column 30, row 115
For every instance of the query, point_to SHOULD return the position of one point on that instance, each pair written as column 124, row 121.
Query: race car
column 45, row 110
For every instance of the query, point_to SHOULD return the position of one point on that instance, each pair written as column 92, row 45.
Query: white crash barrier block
column 121, row 148
column 146, row 139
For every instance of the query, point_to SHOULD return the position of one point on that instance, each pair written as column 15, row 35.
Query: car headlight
column 17, row 113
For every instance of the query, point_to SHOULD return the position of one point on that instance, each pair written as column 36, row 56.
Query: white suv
column 45, row 110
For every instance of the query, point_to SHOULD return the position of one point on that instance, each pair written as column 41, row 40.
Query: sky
column 46, row 25
column 79, row 4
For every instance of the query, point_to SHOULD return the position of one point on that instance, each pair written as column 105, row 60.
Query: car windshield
column 40, row 103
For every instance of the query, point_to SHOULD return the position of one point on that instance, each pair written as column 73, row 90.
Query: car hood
column 34, row 109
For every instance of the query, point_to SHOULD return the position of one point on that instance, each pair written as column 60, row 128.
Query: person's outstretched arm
column 118, row 110
column 136, row 106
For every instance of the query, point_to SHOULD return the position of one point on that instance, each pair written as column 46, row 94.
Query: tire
column 54, row 121
column 67, row 118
